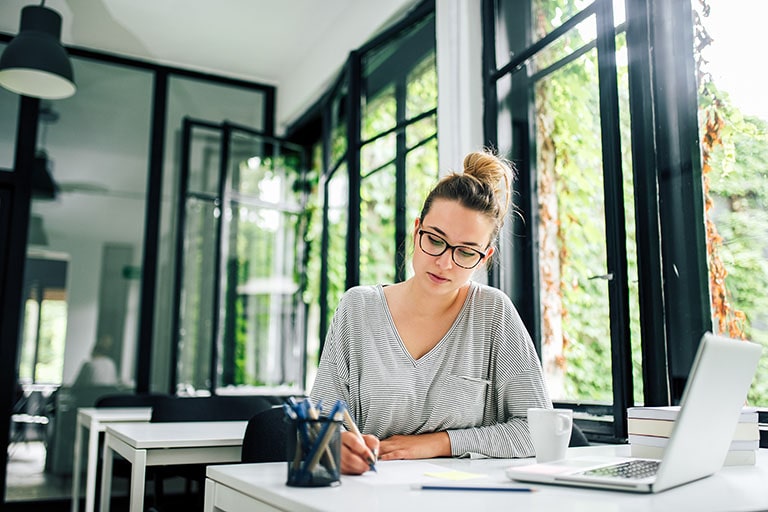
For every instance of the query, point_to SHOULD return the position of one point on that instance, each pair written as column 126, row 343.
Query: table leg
column 209, row 500
column 138, row 474
column 76, row 467
column 93, row 463
column 106, row 478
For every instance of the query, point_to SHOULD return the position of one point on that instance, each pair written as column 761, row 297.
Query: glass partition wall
column 240, row 278
column 99, row 271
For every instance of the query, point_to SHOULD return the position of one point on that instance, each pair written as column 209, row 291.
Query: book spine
column 732, row 458
column 635, row 439
column 746, row 431
column 748, row 414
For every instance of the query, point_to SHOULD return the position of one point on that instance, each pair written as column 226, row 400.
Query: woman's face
column 456, row 225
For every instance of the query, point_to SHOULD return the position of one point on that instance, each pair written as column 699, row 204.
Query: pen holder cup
column 314, row 452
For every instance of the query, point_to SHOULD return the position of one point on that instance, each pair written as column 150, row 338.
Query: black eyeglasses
column 435, row 245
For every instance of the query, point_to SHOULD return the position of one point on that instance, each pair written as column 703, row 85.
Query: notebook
column 714, row 395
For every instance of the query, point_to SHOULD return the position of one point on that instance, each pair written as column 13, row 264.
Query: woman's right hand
column 355, row 455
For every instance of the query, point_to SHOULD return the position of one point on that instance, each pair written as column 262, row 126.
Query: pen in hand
column 353, row 428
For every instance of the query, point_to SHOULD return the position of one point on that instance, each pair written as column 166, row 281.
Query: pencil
column 356, row 431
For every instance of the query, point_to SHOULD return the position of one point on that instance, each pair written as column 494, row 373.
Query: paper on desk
column 407, row 472
column 454, row 475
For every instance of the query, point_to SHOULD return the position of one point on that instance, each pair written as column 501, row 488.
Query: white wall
column 460, row 81
column 322, row 63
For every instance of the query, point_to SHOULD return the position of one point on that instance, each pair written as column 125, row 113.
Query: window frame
column 674, row 305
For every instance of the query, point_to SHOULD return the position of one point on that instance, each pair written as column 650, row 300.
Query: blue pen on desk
column 492, row 488
column 322, row 439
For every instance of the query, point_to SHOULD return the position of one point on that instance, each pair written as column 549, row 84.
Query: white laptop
column 709, row 410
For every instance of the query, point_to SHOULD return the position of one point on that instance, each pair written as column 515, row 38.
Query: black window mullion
column 222, row 244
column 618, row 290
column 181, row 220
column 152, row 220
column 354, row 124
column 681, row 200
column 647, row 230
column 401, row 229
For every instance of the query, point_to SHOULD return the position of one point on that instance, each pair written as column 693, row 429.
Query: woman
column 437, row 365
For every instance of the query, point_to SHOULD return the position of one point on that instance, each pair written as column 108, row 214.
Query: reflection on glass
column 209, row 102
column 196, row 315
column 85, row 246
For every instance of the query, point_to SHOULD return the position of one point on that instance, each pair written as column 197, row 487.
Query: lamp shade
column 34, row 63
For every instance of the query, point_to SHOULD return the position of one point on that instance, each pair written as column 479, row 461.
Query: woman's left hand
column 423, row 446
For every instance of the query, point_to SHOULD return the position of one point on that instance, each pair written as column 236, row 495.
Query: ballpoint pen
column 356, row 431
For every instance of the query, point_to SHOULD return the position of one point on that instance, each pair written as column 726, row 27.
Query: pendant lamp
column 35, row 63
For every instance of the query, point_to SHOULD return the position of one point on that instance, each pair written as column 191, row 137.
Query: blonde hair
column 485, row 186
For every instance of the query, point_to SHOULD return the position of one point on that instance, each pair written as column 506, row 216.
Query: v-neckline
column 441, row 342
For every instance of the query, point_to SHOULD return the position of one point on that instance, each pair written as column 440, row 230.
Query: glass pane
column 204, row 161
column 565, row 45
column 263, row 337
column 377, row 227
column 262, row 321
column 548, row 15
column 338, row 199
column 629, row 216
column 314, row 239
column 734, row 135
column 210, row 102
column 379, row 112
column 421, row 88
column 576, row 349
column 421, row 174
column 9, row 106
column 338, row 127
column 421, row 130
column 85, row 248
column 196, row 316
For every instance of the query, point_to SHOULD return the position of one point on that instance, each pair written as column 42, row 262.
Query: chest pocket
column 460, row 403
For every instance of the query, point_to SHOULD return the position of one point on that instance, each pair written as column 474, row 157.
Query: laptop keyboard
column 629, row 469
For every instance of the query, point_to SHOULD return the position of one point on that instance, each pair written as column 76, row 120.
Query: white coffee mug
column 550, row 432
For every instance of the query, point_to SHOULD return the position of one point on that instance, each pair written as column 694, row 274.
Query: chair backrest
column 577, row 437
column 212, row 408
column 130, row 399
column 265, row 437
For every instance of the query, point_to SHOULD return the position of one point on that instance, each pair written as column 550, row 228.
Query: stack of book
column 649, row 429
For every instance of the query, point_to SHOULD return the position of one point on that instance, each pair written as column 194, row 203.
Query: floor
column 30, row 488
column 26, row 479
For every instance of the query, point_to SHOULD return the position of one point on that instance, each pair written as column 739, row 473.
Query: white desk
column 162, row 444
column 261, row 487
column 95, row 421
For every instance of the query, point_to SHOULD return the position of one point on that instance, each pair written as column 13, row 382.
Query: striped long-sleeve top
column 476, row 383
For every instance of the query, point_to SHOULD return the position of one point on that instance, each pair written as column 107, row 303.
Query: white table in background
column 261, row 487
column 162, row 444
column 95, row 420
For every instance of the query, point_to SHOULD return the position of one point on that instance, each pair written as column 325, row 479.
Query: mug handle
column 566, row 423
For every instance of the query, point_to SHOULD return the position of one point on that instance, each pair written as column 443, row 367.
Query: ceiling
column 296, row 45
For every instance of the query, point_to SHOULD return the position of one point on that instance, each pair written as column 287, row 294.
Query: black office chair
column 577, row 437
column 131, row 399
column 265, row 437
column 211, row 408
